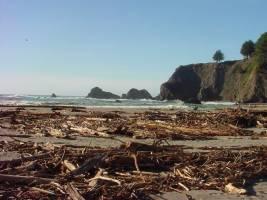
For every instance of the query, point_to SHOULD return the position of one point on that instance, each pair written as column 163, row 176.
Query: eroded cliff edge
column 240, row 80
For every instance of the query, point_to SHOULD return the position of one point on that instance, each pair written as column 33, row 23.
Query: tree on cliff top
column 261, row 49
column 218, row 56
column 247, row 49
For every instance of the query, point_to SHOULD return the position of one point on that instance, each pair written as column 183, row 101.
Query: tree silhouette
column 247, row 49
column 218, row 56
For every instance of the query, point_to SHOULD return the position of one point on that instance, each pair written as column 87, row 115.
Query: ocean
column 45, row 100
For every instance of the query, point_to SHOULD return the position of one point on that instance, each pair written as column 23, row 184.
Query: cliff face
column 227, row 81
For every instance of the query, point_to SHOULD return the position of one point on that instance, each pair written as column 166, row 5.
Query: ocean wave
column 226, row 103
column 141, row 106
column 19, row 103
column 45, row 100
column 95, row 99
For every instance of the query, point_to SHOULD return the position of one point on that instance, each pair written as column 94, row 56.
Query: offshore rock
column 98, row 93
column 138, row 94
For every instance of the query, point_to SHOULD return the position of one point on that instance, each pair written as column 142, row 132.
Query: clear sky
column 70, row 46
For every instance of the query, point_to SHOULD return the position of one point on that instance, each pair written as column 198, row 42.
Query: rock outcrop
column 157, row 97
column 124, row 96
column 138, row 94
column 240, row 81
column 53, row 95
column 98, row 93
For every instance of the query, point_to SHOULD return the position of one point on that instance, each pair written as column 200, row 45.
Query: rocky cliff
column 137, row 94
column 98, row 93
column 240, row 81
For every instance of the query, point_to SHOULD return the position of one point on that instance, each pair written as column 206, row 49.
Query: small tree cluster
column 218, row 56
column 248, row 49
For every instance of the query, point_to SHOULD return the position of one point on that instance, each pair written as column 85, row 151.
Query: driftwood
column 134, row 170
column 106, row 179
column 25, row 179
column 43, row 191
column 73, row 192
column 25, row 159
column 89, row 164
column 183, row 186
column 93, row 183
column 234, row 190
column 15, row 135
column 113, row 173
column 68, row 165
column 28, row 166
column 153, row 124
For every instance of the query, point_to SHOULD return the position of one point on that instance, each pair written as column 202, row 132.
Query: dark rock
column 193, row 101
column 238, row 81
column 124, row 96
column 98, row 93
column 53, row 95
column 157, row 97
column 138, row 94
column 118, row 101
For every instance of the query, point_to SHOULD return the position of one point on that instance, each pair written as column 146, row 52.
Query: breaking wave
column 44, row 100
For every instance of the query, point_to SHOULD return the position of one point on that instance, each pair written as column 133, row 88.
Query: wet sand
column 193, row 145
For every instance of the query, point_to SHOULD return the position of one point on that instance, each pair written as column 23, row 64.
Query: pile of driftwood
column 132, row 171
column 68, row 123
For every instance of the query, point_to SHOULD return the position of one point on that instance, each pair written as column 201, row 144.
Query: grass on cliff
column 248, row 78
column 241, row 80
column 250, row 70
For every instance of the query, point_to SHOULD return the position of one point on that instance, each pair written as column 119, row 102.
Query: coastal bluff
column 239, row 81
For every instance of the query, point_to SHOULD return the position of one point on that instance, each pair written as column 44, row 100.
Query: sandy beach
column 129, row 137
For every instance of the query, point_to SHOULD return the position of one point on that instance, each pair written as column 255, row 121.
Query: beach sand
column 194, row 131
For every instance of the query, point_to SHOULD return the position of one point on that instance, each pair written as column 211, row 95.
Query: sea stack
column 138, row 94
column 98, row 93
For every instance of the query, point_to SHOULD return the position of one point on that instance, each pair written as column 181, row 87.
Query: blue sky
column 70, row 46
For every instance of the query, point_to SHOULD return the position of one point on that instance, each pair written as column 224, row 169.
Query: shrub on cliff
column 247, row 49
column 218, row 56
column 261, row 49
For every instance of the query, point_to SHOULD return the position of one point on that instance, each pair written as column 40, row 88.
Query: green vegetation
column 218, row 56
column 261, row 49
column 251, row 67
column 245, row 80
column 247, row 49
